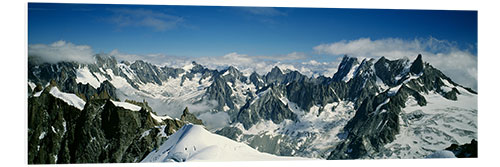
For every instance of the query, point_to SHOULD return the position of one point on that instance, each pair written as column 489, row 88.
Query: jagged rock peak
column 255, row 75
column 232, row 71
column 345, row 67
column 196, row 65
column 267, row 107
column 104, row 60
column 256, row 79
column 276, row 70
column 185, row 112
column 382, row 59
column 276, row 75
column 188, row 117
column 346, row 60
column 197, row 68
column 232, row 68
column 418, row 65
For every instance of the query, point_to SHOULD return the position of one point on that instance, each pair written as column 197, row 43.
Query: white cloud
column 264, row 11
column 159, row 21
column 287, row 57
column 365, row 47
column 215, row 120
column 61, row 51
column 460, row 65
column 312, row 62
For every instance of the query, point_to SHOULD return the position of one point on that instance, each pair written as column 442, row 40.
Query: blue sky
column 215, row 31
column 310, row 40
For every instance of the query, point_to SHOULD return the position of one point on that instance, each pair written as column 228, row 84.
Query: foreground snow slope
column 195, row 143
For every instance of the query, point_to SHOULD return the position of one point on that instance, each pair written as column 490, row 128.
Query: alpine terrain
column 110, row 111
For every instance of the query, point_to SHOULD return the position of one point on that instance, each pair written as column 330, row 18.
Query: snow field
column 195, row 143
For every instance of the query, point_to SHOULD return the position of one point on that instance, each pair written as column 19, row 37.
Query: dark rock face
column 268, row 106
column 306, row 94
column 224, row 88
column 106, row 91
column 345, row 66
column 64, row 75
column 256, row 79
column 418, row 65
column 232, row 74
column 147, row 73
column 44, row 73
column 220, row 91
column 105, row 61
column 230, row 132
column 100, row 133
column 468, row 150
column 116, row 128
column 44, row 114
column 388, row 71
column 275, row 76
column 363, row 84
column 375, row 124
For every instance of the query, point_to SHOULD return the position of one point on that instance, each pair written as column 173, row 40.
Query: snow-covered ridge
column 195, row 143
column 159, row 118
column 69, row 98
column 126, row 105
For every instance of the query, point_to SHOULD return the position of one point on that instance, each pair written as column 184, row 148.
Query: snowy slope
column 84, row 76
column 195, row 143
column 69, row 98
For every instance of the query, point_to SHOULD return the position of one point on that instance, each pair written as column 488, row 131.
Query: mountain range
column 111, row 111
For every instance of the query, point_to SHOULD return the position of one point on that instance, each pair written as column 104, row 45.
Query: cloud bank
column 458, row 64
column 215, row 120
column 61, row 51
